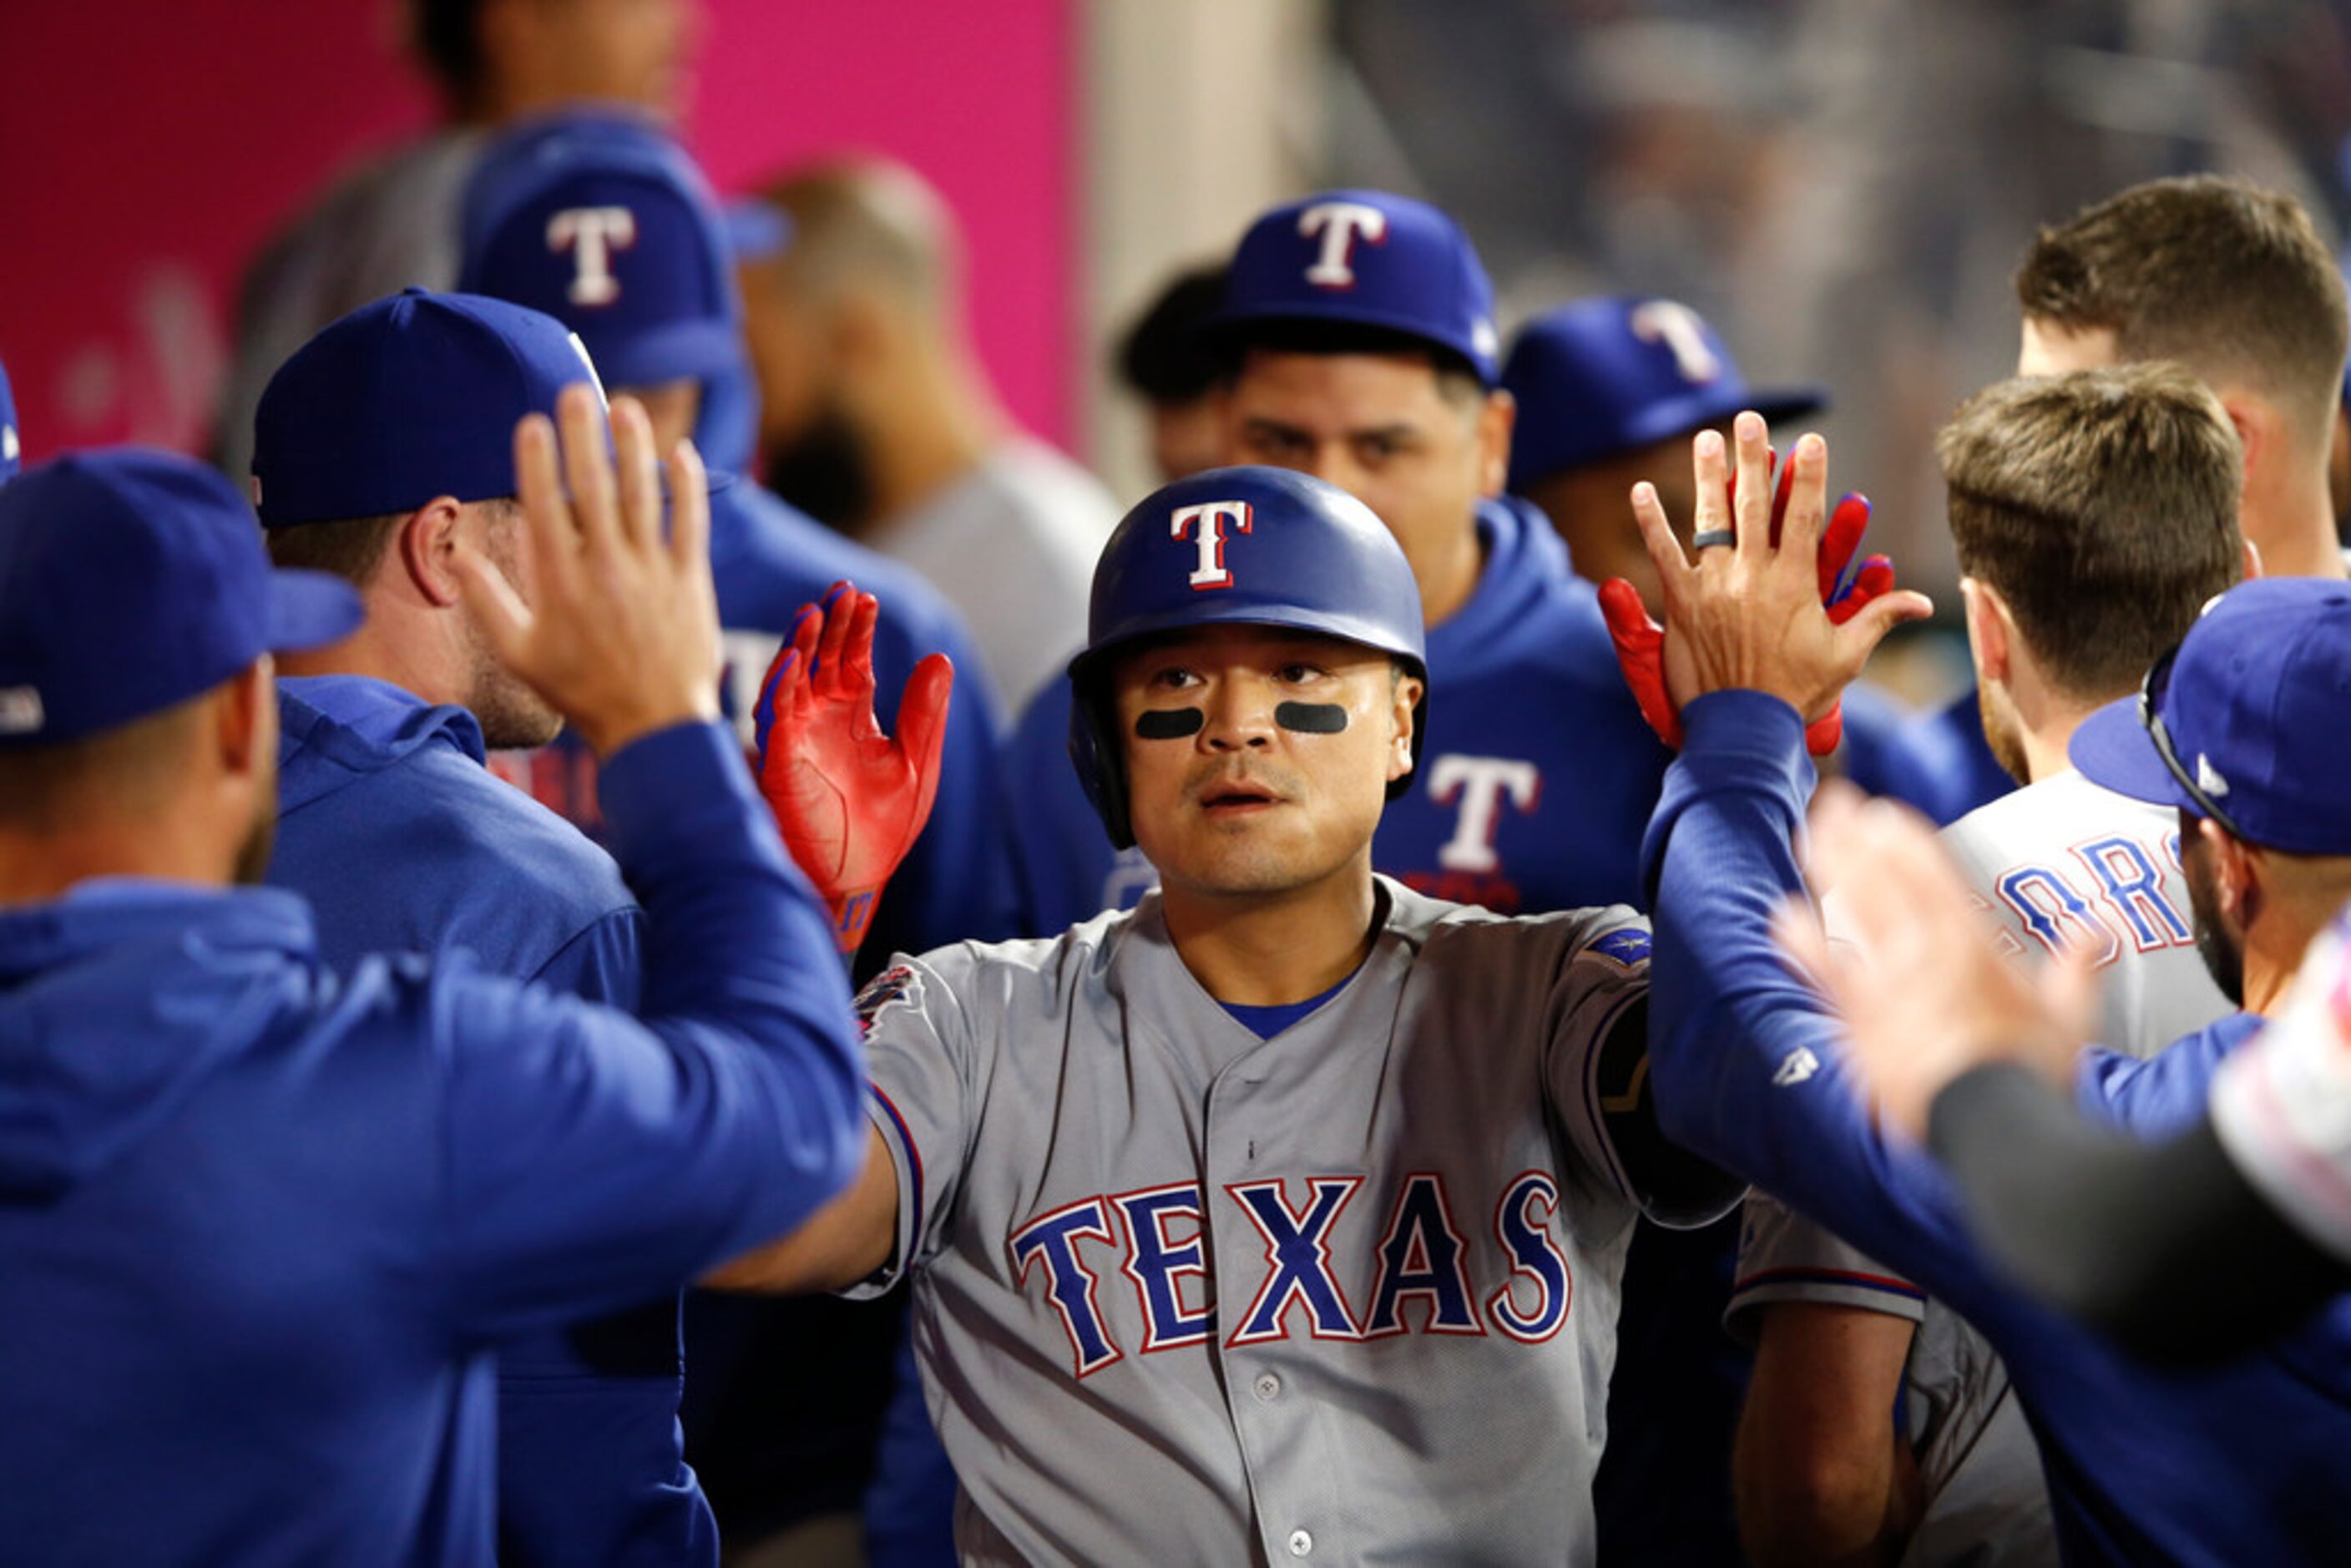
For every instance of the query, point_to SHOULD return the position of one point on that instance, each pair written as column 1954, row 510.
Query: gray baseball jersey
column 2059, row 861
column 1185, row 1295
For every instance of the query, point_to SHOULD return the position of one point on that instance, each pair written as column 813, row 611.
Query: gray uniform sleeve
column 920, row 1051
column 1784, row 1257
column 1596, row 1071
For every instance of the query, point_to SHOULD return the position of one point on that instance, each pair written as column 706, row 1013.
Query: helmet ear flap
column 1094, row 751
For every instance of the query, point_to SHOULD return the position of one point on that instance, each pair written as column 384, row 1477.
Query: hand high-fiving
column 849, row 800
column 1748, row 611
column 620, row 634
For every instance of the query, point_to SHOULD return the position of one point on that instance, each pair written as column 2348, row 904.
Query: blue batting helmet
column 1252, row 546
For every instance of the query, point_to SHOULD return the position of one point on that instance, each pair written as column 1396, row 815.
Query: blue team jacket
column 260, row 1229
column 1535, row 781
column 2238, row 1465
column 401, row 841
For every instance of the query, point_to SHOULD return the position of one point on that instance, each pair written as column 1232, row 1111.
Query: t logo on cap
column 1677, row 326
column 591, row 235
column 1339, row 223
column 1211, row 516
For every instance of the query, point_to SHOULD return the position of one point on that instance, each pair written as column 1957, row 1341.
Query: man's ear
column 1408, row 691
column 1498, row 416
column 2255, row 423
column 426, row 542
column 1991, row 631
column 245, row 719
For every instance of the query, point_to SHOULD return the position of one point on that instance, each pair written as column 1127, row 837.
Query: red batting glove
column 1641, row 641
column 849, row 800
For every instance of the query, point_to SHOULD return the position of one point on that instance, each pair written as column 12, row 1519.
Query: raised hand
column 1748, row 612
column 621, row 633
column 1927, row 994
column 1845, row 591
column 849, row 800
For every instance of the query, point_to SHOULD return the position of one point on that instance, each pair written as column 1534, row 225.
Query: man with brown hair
column 2234, row 282
column 2094, row 515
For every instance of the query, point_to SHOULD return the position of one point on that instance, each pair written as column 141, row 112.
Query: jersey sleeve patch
column 891, row 984
column 1628, row 944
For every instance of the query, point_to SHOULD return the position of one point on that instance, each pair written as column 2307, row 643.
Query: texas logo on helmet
column 1210, row 517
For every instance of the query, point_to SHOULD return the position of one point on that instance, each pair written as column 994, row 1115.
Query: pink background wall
column 148, row 146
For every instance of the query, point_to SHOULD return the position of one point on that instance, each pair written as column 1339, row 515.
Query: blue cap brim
column 310, row 609
column 2112, row 751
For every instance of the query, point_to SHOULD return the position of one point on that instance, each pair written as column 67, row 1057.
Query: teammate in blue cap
column 1610, row 390
column 2236, row 1464
column 383, row 450
column 262, row 1223
column 604, row 222
column 1358, row 332
column 601, row 221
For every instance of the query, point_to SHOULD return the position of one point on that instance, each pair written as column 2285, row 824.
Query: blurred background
column 1842, row 185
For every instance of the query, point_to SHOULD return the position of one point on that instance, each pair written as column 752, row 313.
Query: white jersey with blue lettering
column 2059, row 861
column 1348, row 1293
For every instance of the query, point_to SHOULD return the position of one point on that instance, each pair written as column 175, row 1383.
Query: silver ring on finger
column 1713, row 537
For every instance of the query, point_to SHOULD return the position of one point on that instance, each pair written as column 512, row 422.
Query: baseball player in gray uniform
column 2093, row 514
column 1279, row 1217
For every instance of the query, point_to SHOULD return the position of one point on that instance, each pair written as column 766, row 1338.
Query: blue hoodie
column 259, row 1229
column 1534, row 784
column 403, row 842
column 2239, row 1463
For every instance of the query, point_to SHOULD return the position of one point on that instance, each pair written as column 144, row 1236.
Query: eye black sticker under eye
column 1168, row 722
column 1311, row 718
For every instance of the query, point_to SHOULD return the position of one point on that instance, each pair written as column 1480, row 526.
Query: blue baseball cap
column 2248, row 722
column 131, row 580
column 12, row 450
column 1363, row 258
column 1616, row 372
column 414, row 396
column 604, row 223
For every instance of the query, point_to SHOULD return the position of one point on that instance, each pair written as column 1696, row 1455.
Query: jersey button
column 1300, row 1543
column 1268, row 1386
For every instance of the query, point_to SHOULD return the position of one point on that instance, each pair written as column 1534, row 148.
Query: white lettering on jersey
column 1339, row 222
column 1479, row 783
column 1683, row 333
column 1212, row 517
column 591, row 235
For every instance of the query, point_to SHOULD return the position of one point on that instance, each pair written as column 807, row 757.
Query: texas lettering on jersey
column 1424, row 1275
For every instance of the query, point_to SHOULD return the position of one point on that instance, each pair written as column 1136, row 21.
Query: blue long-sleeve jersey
column 2238, row 1465
column 261, row 1229
column 401, row 841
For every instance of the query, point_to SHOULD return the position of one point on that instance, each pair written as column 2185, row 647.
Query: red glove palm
column 849, row 800
column 1641, row 641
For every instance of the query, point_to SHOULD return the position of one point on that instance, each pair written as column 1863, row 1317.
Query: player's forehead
column 1337, row 393
column 1238, row 645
